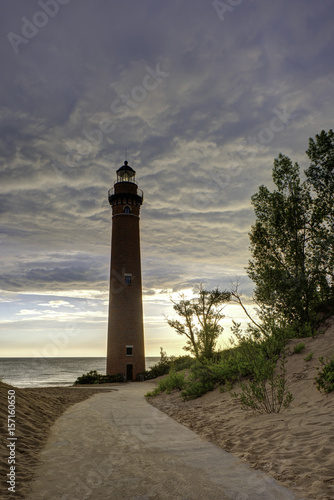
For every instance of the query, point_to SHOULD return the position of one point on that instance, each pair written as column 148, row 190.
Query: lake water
column 52, row 372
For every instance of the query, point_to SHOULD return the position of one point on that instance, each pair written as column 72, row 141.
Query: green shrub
column 164, row 365
column 93, row 377
column 259, row 350
column 157, row 370
column 253, row 355
column 227, row 387
column 325, row 378
column 255, row 346
column 196, row 389
column 200, row 381
column 303, row 330
column 173, row 381
column 204, row 377
column 267, row 392
column 152, row 394
column 299, row 348
column 308, row 357
column 154, row 372
column 183, row 362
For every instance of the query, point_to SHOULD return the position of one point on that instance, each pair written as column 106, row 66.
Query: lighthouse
column 125, row 351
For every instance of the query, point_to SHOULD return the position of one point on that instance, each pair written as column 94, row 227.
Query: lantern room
column 126, row 174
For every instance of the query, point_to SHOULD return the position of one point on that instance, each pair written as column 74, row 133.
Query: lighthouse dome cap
column 126, row 167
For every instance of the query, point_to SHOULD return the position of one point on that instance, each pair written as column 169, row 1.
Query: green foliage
column 280, row 267
column 267, row 391
column 175, row 380
column 258, row 352
column 165, row 364
column 304, row 330
column 308, row 357
column 299, row 348
column 196, row 389
column 320, row 176
column 183, row 362
column 254, row 355
column 199, row 382
column 258, row 345
column 200, row 319
column 227, row 387
column 93, row 377
column 206, row 375
column 325, row 377
column 159, row 369
column 292, row 240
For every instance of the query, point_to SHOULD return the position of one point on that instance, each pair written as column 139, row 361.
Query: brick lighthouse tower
column 125, row 353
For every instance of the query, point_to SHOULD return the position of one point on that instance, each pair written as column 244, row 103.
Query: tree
column 280, row 267
column 292, row 238
column 320, row 175
column 201, row 317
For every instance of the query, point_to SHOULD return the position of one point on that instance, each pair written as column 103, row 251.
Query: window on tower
column 129, row 350
column 126, row 210
column 127, row 278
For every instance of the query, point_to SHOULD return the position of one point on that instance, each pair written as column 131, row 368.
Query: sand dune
column 296, row 447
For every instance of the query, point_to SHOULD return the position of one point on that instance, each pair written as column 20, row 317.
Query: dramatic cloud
column 203, row 97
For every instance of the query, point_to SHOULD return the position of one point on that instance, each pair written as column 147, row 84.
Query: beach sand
column 295, row 447
column 36, row 411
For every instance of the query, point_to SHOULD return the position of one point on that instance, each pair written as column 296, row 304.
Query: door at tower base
column 125, row 352
column 129, row 372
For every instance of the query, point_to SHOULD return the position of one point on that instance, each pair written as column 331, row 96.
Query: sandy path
column 116, row 446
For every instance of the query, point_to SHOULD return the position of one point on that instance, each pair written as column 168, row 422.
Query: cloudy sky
column 202, row 94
